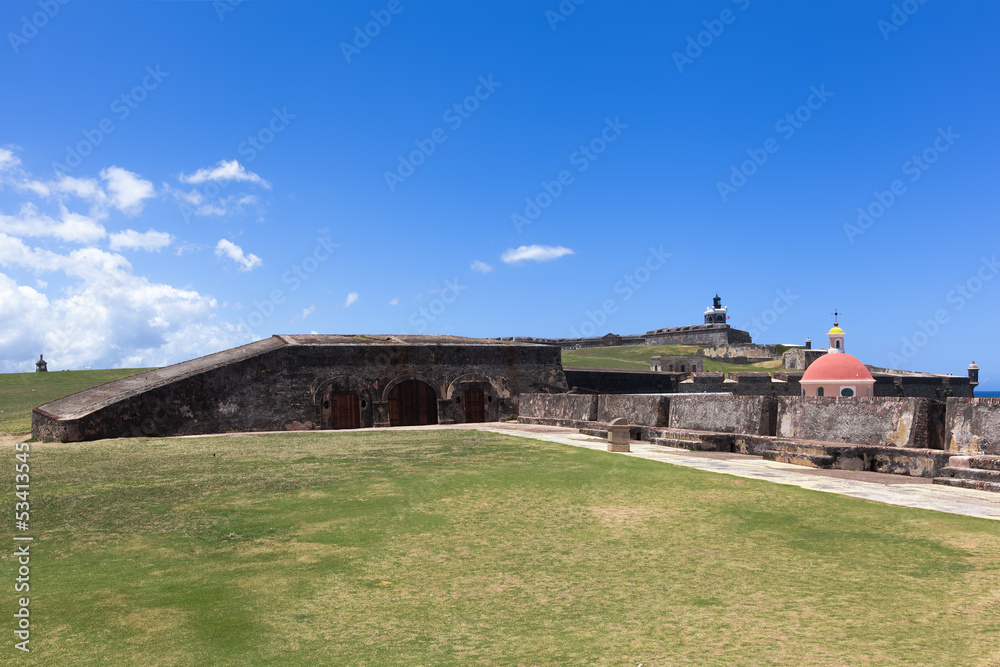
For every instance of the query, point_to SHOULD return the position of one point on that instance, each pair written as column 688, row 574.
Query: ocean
column 988, row 394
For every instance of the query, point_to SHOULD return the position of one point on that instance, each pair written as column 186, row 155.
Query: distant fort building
column 713, row 333
column 40, row 365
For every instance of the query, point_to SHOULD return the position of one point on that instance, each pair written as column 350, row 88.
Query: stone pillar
column 618, row 436
column 380, row 414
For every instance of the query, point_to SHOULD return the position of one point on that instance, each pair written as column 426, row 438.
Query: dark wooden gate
column 341, row 410
column 412, row 403
column 475, row 406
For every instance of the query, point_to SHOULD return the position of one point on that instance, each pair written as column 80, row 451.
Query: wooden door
column 341, row 410
column 475, row 406
column 412, row 403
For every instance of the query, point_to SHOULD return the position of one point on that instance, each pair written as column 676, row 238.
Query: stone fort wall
column 279, row 385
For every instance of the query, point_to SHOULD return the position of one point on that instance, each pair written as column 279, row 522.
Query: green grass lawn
column 636, row 357
column 21, row 392
column 629, row 357
column 464, row 548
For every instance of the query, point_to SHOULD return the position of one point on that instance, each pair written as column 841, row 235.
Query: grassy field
column 630, row 357
column 462, row 548
column 20, row 392
column 636, row 357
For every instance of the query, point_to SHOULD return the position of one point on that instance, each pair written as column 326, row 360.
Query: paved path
column 890, row 489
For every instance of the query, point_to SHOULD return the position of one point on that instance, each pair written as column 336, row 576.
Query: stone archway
column 412, row 402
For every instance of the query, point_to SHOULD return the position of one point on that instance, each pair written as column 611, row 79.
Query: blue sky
column 181, row 177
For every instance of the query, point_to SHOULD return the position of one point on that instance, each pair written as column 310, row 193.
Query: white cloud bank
column 83, row 305
column 534, row 253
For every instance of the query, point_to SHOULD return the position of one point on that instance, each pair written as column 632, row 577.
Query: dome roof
column 839, row 367
column 834, row 330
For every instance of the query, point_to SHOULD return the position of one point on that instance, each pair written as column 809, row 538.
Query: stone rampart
column 559, row 407
column 972, row 426
column 606, row 381
column 747, row 415
column 284, row 383
column 636, row 409
column 896, row 422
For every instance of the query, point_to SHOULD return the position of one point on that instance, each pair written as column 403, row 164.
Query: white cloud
column 150, row 240
column 534, row 253
column 72, row 227
column 128, row 191
column 223, row 172
column 352, row 298
column 229, row 249
column 87, row 189
column 481, row 267
column 106, row 316
column 8, row 159
column 394, row 302
column 308, row 311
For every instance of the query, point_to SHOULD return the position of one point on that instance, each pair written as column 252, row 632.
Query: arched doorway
column 341, row 409
column 475, row 406
column 412, row 403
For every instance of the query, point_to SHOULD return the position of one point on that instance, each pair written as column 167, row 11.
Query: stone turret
column 973, row 375
column 41, row 366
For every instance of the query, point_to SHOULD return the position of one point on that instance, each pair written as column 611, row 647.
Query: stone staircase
column 801, row 453
column 972, row 472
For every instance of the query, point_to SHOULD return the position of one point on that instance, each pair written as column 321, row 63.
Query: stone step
column 971, row 473
column 595, row 432
column 968, row 483
column 677, row 443
column 799, row 458
column 981, row 462
column 800, row 448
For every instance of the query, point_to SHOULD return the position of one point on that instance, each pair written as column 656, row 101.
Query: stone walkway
column 891, row 489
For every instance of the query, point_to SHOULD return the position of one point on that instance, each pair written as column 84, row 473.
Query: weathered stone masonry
column 312, row 382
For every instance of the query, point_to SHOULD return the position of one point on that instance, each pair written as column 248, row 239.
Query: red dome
column 837, row 367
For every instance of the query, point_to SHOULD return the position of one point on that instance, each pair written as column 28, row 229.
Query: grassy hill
column 20, row 392
column 636, row 357
column 464, row 548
